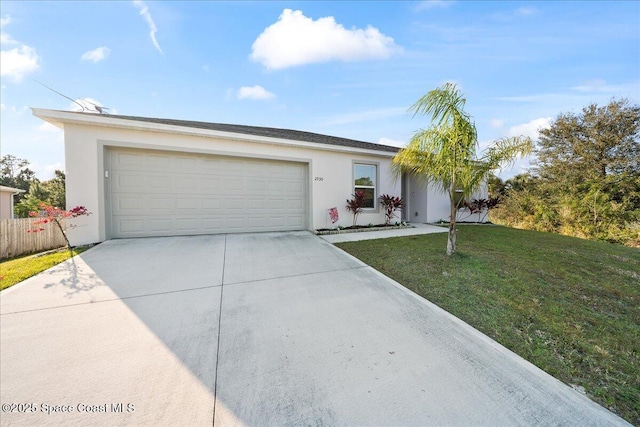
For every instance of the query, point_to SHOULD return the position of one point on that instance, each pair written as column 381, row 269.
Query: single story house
column 143, row 177
column 6, row 201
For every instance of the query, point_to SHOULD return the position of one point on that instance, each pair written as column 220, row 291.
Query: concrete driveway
column 254, row 329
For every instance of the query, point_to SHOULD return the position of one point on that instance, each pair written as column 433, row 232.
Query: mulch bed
column 359, row 228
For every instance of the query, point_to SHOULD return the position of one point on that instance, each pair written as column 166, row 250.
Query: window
column 365, row 180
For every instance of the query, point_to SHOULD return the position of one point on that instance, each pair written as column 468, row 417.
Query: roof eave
column 60, row 118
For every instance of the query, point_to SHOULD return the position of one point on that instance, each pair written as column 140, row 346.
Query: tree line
column 15, row 172
column 585, row 181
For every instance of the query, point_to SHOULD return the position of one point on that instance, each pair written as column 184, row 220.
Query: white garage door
column 157, row 193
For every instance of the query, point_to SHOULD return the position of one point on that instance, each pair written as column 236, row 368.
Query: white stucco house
column 143, row 177
column 6, row 201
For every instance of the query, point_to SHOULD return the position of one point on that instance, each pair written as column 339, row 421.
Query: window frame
column 376, row 165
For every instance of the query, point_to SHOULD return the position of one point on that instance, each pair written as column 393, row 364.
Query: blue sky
column 348, row 69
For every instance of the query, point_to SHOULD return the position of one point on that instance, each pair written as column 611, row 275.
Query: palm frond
column 504, row 152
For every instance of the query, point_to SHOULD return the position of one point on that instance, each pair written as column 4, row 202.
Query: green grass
column 569, row 306
column 18, row 269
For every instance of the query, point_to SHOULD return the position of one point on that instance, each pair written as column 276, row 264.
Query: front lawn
column 18, row 269
column 569, row 306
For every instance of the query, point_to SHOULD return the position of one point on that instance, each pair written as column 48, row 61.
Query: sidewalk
column 384, row 234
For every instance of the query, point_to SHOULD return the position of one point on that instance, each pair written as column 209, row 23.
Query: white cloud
column 365, row 116
column 254, row 92
column 144, row 12
column 96, row 55
column 591, row 85
column 526, row 11
column 17, row 61
column 600, row 86
column 531, row 128
column 497, row 123
column 432, row 4
column 392, row 142
column 3, row 107
column 297, row 40
column 5, row 38
column 87, row 105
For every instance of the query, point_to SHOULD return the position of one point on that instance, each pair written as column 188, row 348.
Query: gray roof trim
column 293, row 135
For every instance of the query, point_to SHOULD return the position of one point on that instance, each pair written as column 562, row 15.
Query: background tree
column 495, row 185
column 446, row 152
column 55, row 189
column 586, row 180
column 600, row 142
column 14, row 172
column 36, row 195
column 50, row 193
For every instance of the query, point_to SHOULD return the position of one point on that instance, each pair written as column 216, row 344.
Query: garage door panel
column 128, row 161
column 130, row 203
column 276, row 204
column 233, row 167
column 294, row 221
column 187, row 204
column 276, row 187
column 233, row 184
column 188, row 224
column 212, row 203
column 256, row 204
column 137, row 181
column 294, row 188
column 186, row 183
column 161, row 225
column 215, row 225
column 130, row 225
column 208, row 184
column 255, row 185
column 157, row 204
column 129, row 181
column 154, row 193
column 256, row 222
column 295, row 204
column 210, row 164
column 235, row 204
column 155, row 163
column 276, row 221
column 235, row 223
column 161, row 182
column 186, row 165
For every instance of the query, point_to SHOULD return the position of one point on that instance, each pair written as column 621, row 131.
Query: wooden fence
column 15, row 239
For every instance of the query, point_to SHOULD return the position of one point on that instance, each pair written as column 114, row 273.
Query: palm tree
column 445, row 153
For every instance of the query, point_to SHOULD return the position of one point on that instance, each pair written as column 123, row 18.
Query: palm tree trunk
column 451, row 240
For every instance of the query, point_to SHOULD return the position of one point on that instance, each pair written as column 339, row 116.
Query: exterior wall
column 330, row 173
column 428, row 204
column 6, row 205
